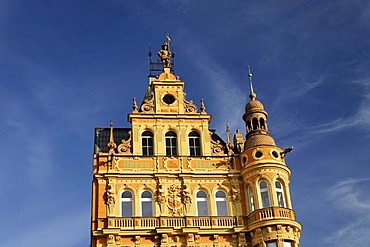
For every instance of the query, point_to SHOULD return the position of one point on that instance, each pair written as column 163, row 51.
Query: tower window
column 194, row 143
column 255, row 123
column 126, row 204
column 265, row 197
column 202, row 203
column 171, row 143
column 147, row 143
column 262, row 123
column 280, row 194
column 250, row 199
column 146, row 204
column 221, row 203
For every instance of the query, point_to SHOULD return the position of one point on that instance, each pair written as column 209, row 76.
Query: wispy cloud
column 352, row 196
column 361, row 116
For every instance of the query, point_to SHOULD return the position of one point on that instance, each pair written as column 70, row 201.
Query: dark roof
column 102, row 138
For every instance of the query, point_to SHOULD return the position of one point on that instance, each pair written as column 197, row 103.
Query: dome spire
column 252, row 95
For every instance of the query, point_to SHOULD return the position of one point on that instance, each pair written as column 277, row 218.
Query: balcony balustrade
column 211, row 222
column 269, row 214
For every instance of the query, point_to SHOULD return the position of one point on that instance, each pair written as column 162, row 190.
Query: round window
column 169, row 99
column 259, row 154
column 244, row 160
column 275, row 154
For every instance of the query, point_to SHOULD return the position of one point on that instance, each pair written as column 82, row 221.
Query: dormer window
column 171, row 143
column 147, row 143
column 194, row 143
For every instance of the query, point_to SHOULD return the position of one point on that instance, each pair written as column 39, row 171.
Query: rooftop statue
column 165, row 55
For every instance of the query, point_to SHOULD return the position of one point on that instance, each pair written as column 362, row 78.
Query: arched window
column 249, row 125
column 202, row 203
column 250, row 198
column 255, row 123
column 221, row 203
column 146, row 204
column 262, row 123
column 280, row 194
column 126, row 204
column 194, row 143
column 171, row 143
column 147, row 143
column 265, row 197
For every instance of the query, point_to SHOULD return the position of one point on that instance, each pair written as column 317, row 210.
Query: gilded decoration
column 148, row 104
column 216, row 147
column 174, row 201
column 190, row 107
column 109, row 198
column 125, row 146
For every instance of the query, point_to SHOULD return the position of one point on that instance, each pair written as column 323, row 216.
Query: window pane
column 263, row 185
column 126, row 209
column 280, row 199
column 146, row 194
column 146, row 209
column 201, row 194
column 287, row 244
column 271, row 244
column 126, row 194
column 202, row 207
column 251, row 201
column 265, row 199
column 220, row 194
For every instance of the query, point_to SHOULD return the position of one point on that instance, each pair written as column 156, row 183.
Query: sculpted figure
column 165, row 55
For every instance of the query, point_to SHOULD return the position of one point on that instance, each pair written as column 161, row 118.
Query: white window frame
column 192, row 144
column 251, row 198
column 201, row 199
column 149, row 149
column 173, row 146
column 262, row 192
column 280, row 192
column 145, row 199
column 223, row 200
column 127, row 200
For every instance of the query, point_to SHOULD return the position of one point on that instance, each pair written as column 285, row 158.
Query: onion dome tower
column 271, row 219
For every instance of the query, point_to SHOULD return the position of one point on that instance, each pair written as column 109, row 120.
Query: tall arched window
column 280, row 194
column 194, row 143
column 126, row 204
column 147, row 143
column 171, row 143
column 202, row 203
column 265, row 197
column 146, row 204
column 221, row 203
column 250, row 198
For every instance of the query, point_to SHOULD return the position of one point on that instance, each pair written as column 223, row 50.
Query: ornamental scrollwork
column 148, row 105
column 125, row 146
column 216, row 147
column 190, row 107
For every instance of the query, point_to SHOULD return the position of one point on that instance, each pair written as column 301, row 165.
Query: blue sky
column 67, row 67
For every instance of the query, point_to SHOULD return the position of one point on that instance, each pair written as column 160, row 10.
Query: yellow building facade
column 169, row 180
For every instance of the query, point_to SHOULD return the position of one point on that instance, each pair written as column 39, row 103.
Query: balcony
column 270, row 214
column 142, row 223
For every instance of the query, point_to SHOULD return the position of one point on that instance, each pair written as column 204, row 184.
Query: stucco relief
column 148, row 105
column 125, row 146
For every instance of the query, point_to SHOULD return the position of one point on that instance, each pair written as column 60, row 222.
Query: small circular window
column 244, row 160
column 169, row 99
column 259, row 154
column 275, row 154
